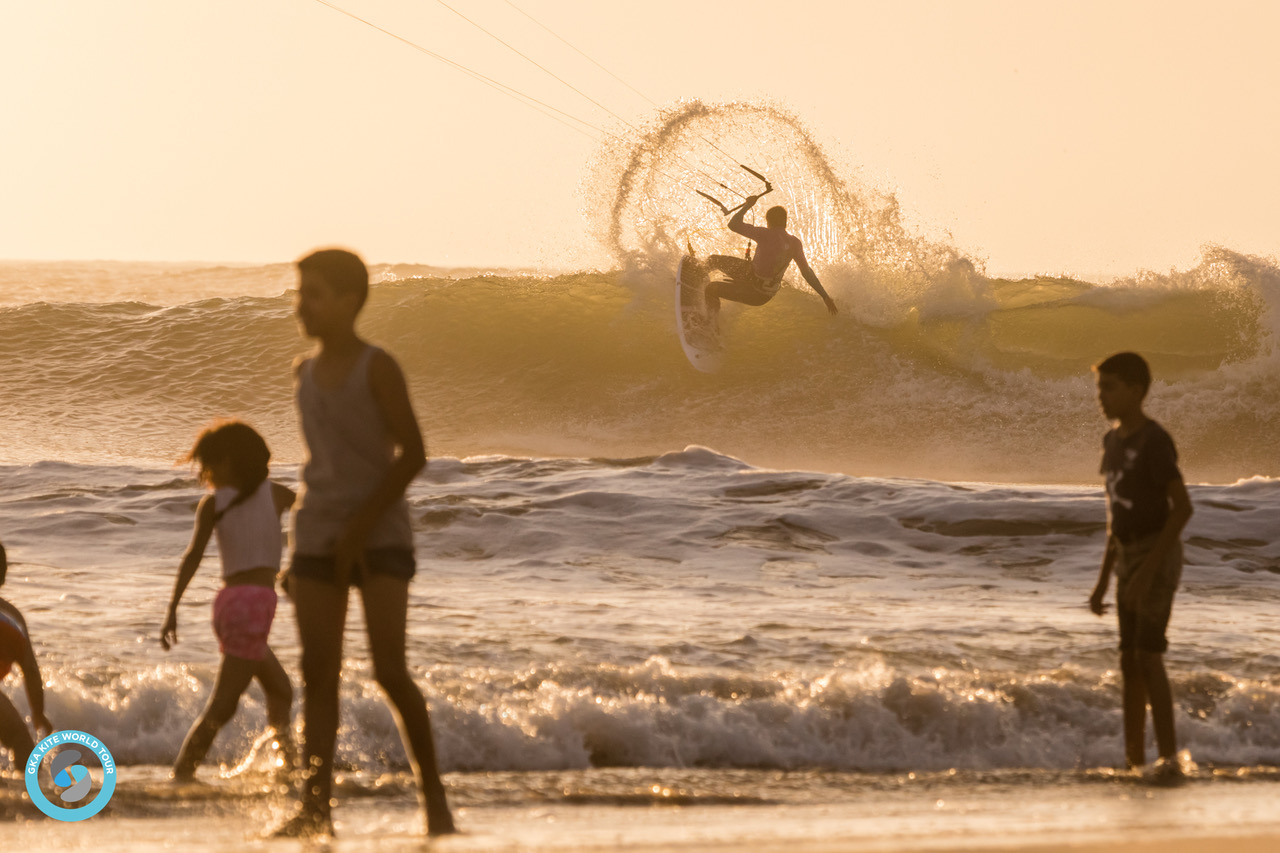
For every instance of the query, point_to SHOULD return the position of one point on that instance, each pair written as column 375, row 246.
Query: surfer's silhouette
column 754, row 281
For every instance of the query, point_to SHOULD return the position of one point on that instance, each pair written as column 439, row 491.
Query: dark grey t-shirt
column 1138, row 471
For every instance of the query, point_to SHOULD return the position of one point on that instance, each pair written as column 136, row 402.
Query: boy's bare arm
column 34, row 683
column 283, row 497
column 1104, row 577
column 1179, row 514
column 392, row 395
column 187, row 569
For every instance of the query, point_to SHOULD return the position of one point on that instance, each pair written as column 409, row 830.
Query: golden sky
column 1085, row 138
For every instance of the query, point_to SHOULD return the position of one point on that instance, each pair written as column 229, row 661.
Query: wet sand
column 1188, row 820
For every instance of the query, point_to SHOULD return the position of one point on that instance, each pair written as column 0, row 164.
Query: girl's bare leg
column 234, row 675
column 279, row 697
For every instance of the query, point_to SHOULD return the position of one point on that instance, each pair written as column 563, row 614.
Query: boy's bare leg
column 14, row 733
column 386, row 602
column 234, row 675
column 322, row 614
column 1135, row 710
column 1160, row 696
column 279, row 696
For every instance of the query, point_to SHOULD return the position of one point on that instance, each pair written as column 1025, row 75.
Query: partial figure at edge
column 15, row 647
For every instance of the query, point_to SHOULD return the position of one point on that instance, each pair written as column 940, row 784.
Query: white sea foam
column 685, row 610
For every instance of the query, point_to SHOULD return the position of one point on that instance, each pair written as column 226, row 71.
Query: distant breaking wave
column 979, row 379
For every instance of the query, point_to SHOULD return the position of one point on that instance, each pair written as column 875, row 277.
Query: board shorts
column 1143, row 628
column 242, row 617
column 391, row 562
column 742, row 273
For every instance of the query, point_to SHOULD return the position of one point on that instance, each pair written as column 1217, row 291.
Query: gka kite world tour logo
column 71, row 782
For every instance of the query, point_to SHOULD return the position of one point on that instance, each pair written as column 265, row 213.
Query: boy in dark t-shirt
column 1147, row 508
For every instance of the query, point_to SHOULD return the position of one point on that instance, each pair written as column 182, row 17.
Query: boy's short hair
column 341, row 270
column 1130, row 367
column 776, row 216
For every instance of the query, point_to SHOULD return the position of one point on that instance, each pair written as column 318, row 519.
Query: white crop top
column 249, row 535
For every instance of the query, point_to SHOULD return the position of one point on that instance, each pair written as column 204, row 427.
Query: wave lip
column 587, row 366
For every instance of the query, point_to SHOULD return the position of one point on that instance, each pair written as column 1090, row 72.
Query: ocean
column 843, row 580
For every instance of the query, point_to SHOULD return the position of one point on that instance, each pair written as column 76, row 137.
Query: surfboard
column 699, row 334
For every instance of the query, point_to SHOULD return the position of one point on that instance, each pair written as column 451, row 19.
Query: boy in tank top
column 1147, row 508
column 351, row 528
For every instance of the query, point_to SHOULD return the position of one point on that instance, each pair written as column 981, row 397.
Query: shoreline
column 511, row 815
column 396, row 827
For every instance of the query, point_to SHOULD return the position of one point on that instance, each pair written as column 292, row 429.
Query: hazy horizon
column 1092, row 141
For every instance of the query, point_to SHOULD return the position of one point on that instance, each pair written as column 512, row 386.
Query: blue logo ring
column 72, row 775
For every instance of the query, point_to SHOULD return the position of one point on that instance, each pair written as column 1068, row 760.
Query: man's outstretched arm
column 811, row 277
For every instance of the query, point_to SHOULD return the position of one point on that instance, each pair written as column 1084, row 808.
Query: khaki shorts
column 1144, row 627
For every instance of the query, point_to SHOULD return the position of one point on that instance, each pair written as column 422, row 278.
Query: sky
column 1094, row 139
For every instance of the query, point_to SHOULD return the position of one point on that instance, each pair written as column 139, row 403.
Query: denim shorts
column 1144, row 627
column 392, row 562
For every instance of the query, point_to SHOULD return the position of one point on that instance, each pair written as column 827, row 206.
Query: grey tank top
column 349, row 451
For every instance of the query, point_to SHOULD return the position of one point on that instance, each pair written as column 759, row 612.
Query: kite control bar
column 717, row 202
column 768, row 188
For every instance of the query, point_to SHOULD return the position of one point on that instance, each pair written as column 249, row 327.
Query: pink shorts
column 242, row 617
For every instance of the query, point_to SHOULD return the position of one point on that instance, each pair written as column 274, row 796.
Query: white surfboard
column 699, row 334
